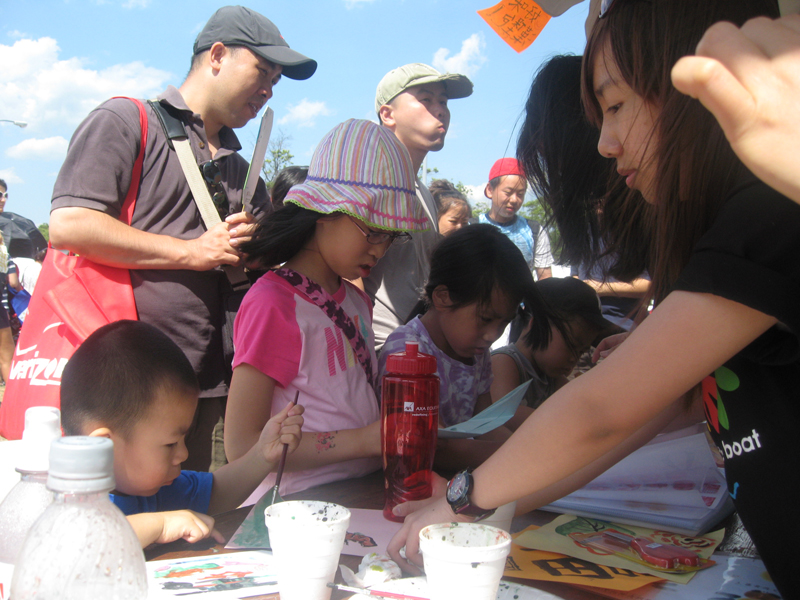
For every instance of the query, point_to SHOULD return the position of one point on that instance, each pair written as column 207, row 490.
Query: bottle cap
column 410, row 362
column 42, row 426
column 81, row 464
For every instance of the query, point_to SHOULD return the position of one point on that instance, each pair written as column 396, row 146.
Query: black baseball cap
column 240, row 26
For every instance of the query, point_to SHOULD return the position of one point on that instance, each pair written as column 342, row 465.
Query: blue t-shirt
column 191, row 490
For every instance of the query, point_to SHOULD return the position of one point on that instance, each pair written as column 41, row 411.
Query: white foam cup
column 306, row 539
column 464, row 560
column 501, row 518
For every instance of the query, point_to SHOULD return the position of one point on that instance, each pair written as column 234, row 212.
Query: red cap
column 410, row 362
column 506, row 166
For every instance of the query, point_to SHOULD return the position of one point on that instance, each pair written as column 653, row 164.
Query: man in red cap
column 506, row 189
column 175, row 262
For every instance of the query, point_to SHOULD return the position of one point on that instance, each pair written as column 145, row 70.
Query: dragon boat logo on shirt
column 723, row 379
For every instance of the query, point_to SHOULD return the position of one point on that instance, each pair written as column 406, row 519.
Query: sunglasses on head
column 213, row 177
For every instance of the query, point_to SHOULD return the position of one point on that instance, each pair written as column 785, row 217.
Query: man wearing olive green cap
column 411, row 101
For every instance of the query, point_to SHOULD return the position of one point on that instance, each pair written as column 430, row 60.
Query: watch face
column 457, row 487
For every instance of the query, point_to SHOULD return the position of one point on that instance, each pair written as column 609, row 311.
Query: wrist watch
column 458, row 491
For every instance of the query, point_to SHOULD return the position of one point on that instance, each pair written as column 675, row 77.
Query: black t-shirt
column 751, row 255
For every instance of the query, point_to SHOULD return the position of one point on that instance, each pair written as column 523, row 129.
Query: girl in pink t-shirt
column 303, row 328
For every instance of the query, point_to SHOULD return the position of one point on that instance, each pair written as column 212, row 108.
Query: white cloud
column 350, row 4
column 40, row 88
column 475, row 194
column 47, row 148
column 16, row 34
column 304, row 113
column 467, row 62
column 136, row 4
column 10, row 176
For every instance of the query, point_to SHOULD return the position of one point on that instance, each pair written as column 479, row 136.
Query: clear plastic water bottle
column 409, row 426
column 82, row 546
column 30, row 497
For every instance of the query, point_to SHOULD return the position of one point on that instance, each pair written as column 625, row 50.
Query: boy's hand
column 165, row 527
column 283, row 428
column 188, row 525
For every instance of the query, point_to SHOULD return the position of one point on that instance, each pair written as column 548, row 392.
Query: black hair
column 474, row 261
column 281, row 234
column 557, row 149
column 284, row 181
column 3, row 184
column 114, row 376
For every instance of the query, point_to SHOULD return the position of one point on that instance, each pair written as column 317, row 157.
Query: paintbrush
column 373, row 593
column 276, row 497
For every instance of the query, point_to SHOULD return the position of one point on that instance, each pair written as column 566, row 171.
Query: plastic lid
column 81, row 464
column 410, row 362
column 42, row 426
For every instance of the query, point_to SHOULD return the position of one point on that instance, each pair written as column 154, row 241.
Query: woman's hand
column 418, row 515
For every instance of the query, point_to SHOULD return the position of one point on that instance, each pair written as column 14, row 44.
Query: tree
column 278, row 157
column 44, row 228
column 533, row 209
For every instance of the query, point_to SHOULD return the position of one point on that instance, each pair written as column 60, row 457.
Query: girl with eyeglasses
column 303, row 328
column 724, row 257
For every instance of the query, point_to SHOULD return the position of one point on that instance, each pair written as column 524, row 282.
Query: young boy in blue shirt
column 129, row 382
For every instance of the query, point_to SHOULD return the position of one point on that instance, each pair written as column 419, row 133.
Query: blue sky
column 63, row 57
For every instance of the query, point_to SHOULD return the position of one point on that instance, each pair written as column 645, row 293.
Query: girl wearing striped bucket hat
column 303, row 328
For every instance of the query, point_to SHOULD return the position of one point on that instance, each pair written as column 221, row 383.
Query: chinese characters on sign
column 518, row 22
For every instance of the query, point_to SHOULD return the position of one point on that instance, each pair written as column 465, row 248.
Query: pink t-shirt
column 287, row 337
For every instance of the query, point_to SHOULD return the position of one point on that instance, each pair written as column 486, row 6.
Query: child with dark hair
column 454, row 210
column 130, row 383
column 577, row 320
column 506, row 191
column 478, row 279
column 286, row 179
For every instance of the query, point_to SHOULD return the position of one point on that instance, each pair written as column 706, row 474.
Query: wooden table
column 364, row 492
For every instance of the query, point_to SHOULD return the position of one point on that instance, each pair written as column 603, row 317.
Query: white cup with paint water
column 464, row 560
column 306, row 539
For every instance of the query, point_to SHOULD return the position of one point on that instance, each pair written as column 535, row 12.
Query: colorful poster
column 555, row 537
column 541, row 565
column 518, row 22
column 233, row 575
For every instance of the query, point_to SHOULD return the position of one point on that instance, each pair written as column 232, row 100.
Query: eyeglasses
column 213, row 177
column 3, row 194
column 381, row 237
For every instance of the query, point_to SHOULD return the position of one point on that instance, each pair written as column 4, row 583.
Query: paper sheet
column 517, row 22
column 541, row 565
column 554, row 537
column 368, row 532
column 219, row 576
column 491, row 418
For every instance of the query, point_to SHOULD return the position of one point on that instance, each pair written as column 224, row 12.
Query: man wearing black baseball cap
column 174, row 261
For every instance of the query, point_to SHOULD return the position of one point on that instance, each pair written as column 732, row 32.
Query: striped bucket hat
column 362, row 169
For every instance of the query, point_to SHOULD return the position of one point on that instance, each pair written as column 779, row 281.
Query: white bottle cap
column 42, row 426
column 81, row 464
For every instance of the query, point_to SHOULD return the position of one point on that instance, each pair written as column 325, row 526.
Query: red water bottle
column 409, row 425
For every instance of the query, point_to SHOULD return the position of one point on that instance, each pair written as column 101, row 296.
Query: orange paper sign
column 518, row 22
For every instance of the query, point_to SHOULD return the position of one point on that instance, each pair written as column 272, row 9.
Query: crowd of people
column 683, row 206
